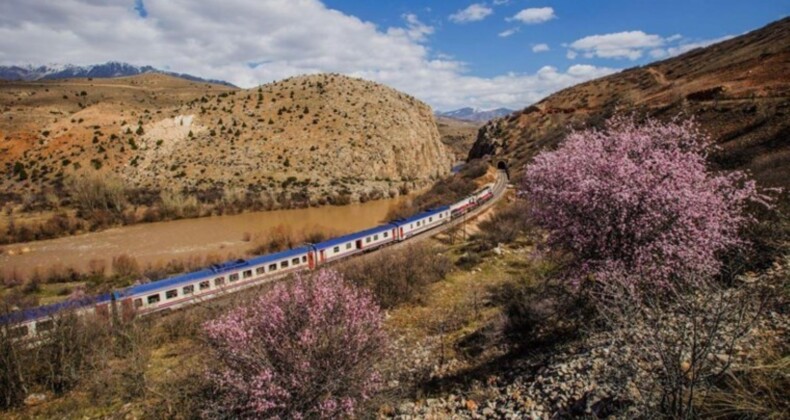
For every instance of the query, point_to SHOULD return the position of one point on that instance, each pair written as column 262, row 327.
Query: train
column 232, row 276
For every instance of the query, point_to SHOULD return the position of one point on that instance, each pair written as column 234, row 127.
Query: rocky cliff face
column 738, row 90
column 310, row 138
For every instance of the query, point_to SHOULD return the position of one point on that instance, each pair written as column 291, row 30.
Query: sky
column 448, row 53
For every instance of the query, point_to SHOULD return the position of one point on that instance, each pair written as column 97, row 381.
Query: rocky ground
column 614, row 372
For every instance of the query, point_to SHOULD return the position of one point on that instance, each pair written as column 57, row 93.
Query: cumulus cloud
column 248, row 42
column 633, row 45
column 535, row 15
column 473, row 13
column 540, row 48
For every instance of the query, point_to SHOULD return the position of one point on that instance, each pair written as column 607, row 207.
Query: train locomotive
column 219, row 279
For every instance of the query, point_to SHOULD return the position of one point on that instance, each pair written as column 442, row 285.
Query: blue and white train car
column 424, row 221
column 353, row 243
column 29, row 323
column 208, row 283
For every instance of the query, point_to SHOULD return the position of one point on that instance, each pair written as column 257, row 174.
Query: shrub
column 94, row 193
column 174, row 204
column 637, row 201
column 13, row 386
column 505, row 226
column 73, row 347
column 125, row 266
column 396, row 277
column 305, row 349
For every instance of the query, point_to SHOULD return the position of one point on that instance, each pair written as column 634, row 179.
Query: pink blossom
column 637, row 201
column 304, row 349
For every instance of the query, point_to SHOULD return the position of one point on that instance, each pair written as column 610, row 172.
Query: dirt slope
column 738, row 90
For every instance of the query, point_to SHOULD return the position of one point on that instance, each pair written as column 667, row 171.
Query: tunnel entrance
column 502, row 166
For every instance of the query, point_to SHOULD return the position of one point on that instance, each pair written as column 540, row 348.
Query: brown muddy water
column 154, row 243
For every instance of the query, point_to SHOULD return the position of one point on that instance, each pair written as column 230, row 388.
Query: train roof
column 279, row 255
column 47, row 310
column 483, row 188
column 212, row 271
column 353, row 236
column 422, row 215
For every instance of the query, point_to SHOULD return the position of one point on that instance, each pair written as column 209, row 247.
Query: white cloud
column 535, row 15
column 540, row 48
column 617, row 45
column 248, row 42
column 633, row 45
column 508, row 32
column 571, row 55
column 414, row 30
column 473, row 13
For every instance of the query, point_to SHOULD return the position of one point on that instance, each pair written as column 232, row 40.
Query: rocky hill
column 303, row 139
column 99, row 71
column 737, row 89
column 458, row 135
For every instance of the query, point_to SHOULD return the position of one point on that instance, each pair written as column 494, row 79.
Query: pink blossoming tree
column 635, row 202
column 305, row 349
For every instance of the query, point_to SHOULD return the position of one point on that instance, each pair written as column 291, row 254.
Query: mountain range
column 99, row 71
column 475, row 114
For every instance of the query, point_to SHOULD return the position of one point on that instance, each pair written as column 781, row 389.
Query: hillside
column 457, row 135
column 337, row 135
column 738, row 90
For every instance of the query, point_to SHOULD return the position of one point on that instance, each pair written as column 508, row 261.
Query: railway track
column 500, row 186
column 111, row 303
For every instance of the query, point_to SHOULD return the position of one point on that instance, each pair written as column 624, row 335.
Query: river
column 156, row 243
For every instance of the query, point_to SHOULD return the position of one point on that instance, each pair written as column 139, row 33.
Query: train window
column 247, row 274
column 170, row 294
column 18, row 331
column 284, row 264
column 138, row 303
column 367, row 240
column 234, row 276
column 295, row 261
column 204, row 285
column 348, row 245
column 260, row 270
column 375, row 237
column 430, row 219
column 386, row 234
column 304, row 258
column 188, row 290
column 45, row 325
column 219, row 281
column 153, row 299
column 336, row 249
column 272, row 267
column 411, row 225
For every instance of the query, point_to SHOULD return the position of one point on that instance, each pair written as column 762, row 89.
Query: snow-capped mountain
column 108, row 69
column 475, row 114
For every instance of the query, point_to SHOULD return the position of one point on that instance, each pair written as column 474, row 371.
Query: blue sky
column 450, row 54
column 478, row 43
